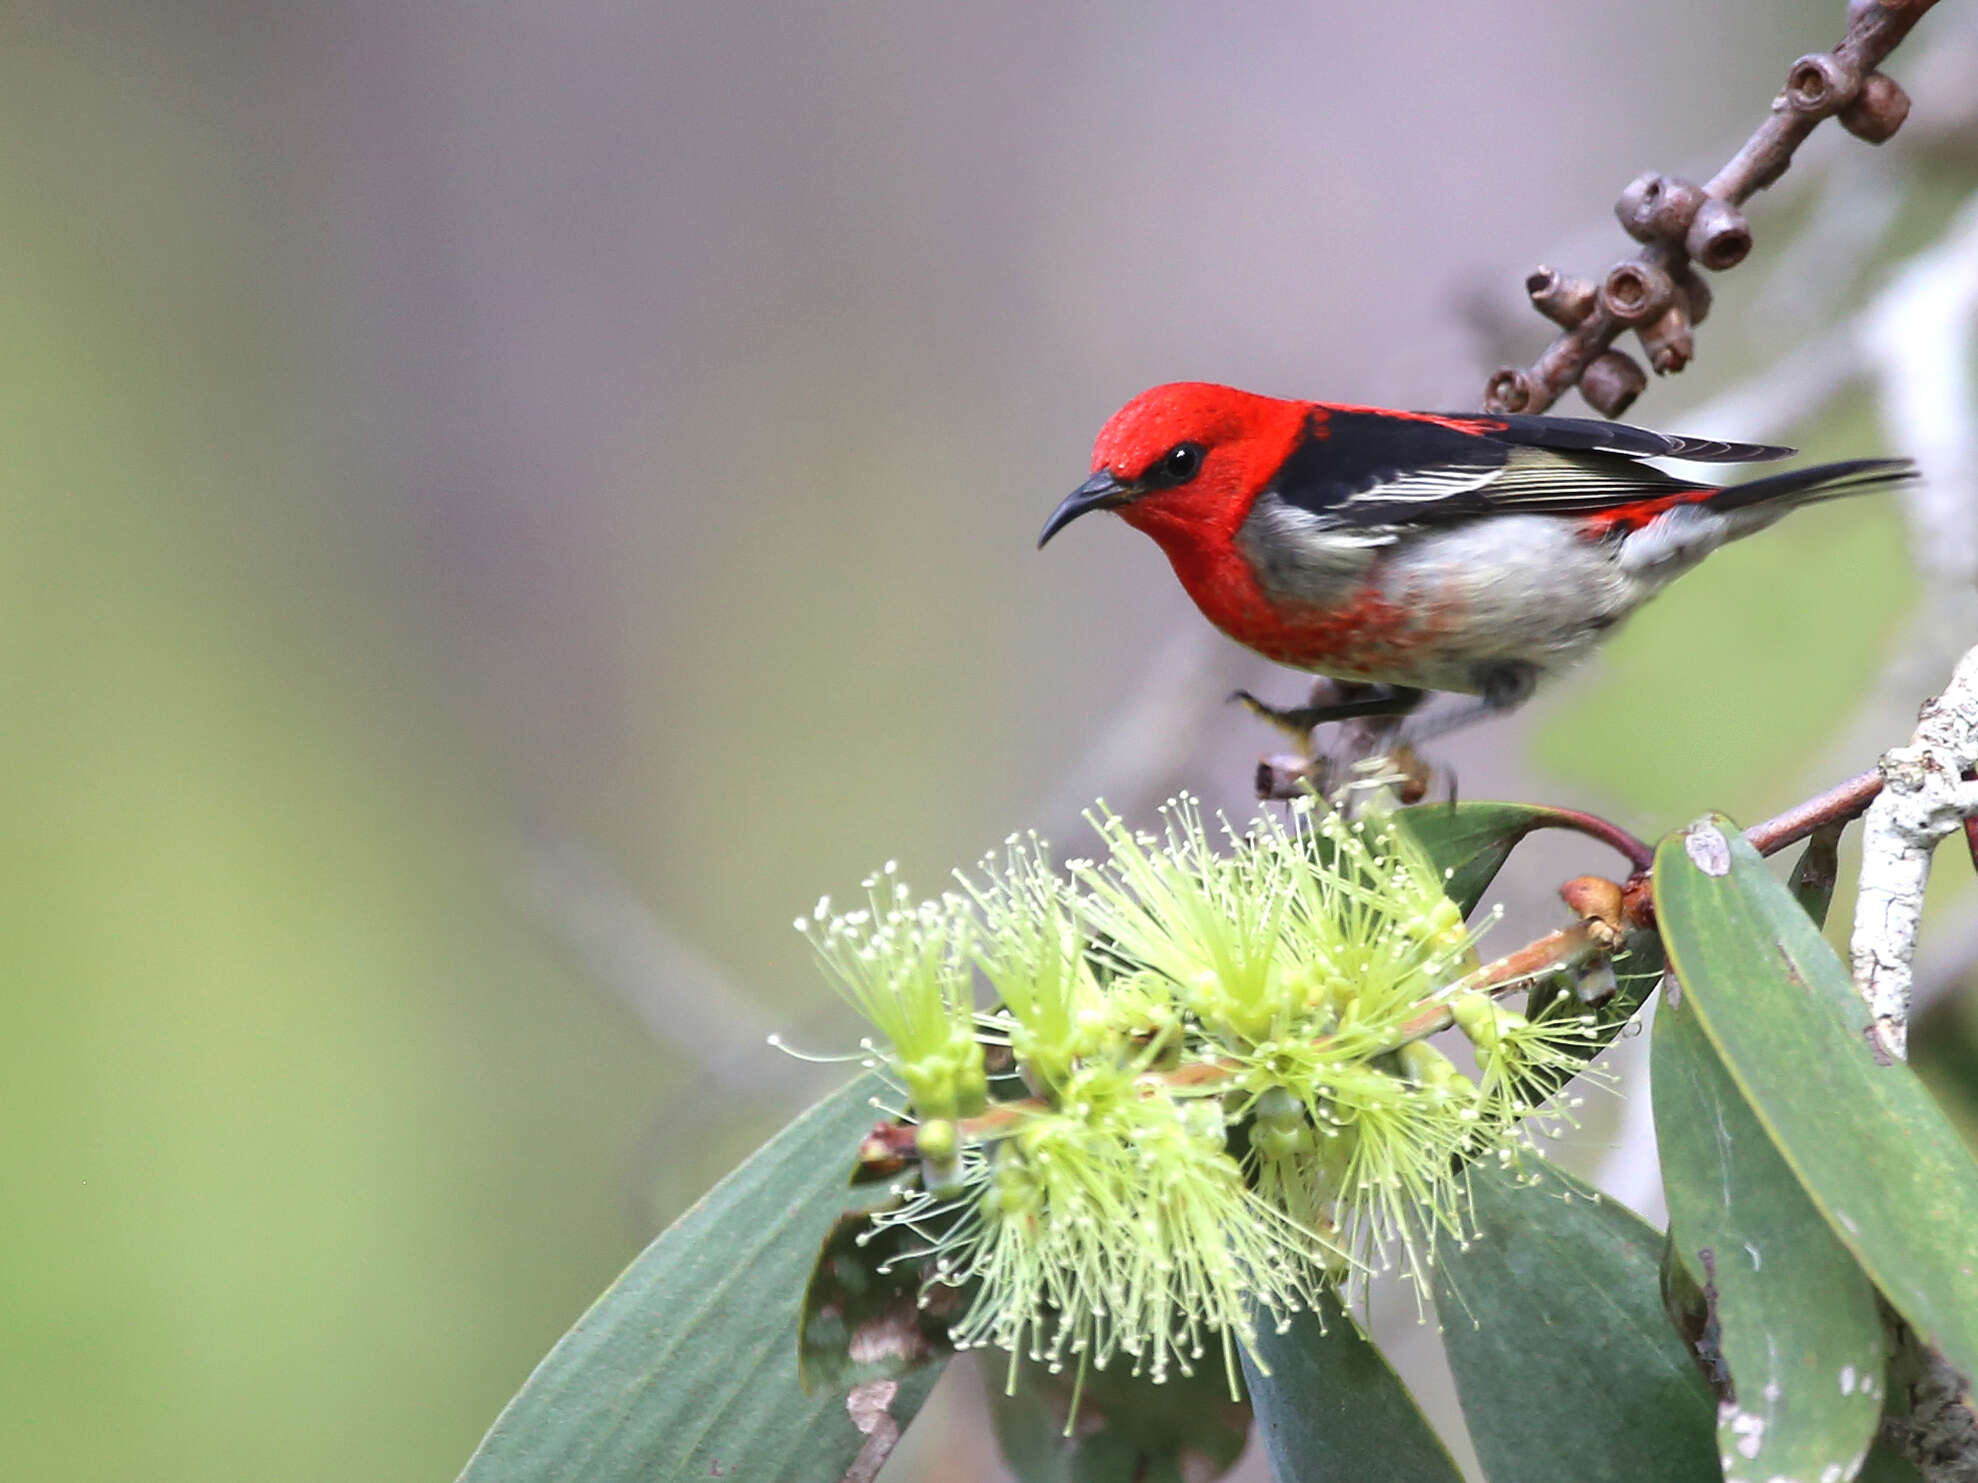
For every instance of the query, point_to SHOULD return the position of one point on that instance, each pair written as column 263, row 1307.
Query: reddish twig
column 1638, row 853
column 1838, row 804
column 1655, row 292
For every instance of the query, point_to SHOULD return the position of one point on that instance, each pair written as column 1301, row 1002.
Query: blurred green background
column 505, row 507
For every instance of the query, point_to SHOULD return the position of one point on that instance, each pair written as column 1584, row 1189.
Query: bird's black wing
column 1363, row 468
column 1585, row 435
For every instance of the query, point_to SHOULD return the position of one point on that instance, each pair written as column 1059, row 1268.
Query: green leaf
column 1886, row 1465
column 864, row 1315
column 1795, row 1319
column 1552, row 1319
column 687, row 1366
column 1819, row 866
column 1868, row 1145
column 1636, row 969
column 1472, row 840
column 1331, row 1409
column 1127, row 1429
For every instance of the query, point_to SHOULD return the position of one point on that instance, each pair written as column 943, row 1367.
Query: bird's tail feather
column 1824, row 481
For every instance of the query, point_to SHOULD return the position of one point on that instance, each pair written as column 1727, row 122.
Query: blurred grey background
column 507, row 504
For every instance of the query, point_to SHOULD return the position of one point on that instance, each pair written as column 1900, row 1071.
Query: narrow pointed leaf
column 1333, row 1411
column 1819, row 866
column 1471, row 840
column 1872, row 1151
column 1795, row 1321
column 687, row 1366
column 1566, row 1366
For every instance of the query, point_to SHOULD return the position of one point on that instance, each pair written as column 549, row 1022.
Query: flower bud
column 937, row 1140
column 1428, row 1067
column 1441, row 924
column 1281, row 1143
column 931, row 1086
column 1277, row 1107
column 1012, row 1192
column 1203, row 1118
column 971, row 1079
column 1668, row 342
column 1594, row 898
column 1695, row 294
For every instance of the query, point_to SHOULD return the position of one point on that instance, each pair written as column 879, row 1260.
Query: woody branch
column 1925, row 796
column 1656, row 292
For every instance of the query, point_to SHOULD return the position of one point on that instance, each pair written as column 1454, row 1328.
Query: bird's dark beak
column 1100, row 492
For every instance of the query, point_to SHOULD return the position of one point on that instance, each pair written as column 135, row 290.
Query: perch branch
column 1656, row 292
column 1837, row 805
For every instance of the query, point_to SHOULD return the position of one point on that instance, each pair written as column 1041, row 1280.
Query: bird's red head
column 1184, row 462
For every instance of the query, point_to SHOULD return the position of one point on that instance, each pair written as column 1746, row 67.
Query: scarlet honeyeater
column 1416, row 551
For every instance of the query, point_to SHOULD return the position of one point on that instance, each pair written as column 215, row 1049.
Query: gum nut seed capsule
column 1878, row 110
column 1510, row 390
column 1563, row 300
column 1612, row 383
column 1820, row 84
column 1720, row 236
column 1636, row 291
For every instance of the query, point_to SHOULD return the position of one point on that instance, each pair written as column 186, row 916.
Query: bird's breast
column 1314, row 606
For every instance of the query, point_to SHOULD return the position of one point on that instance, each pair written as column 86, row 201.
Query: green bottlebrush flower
column 1033, row 953
column 1212, row 924
column 1115, row 1223
column 1520, row 1060
column 1275, row 983
column 905, row 967
column 1375, row 934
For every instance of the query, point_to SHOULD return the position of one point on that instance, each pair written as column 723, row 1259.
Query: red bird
column 1417, row 551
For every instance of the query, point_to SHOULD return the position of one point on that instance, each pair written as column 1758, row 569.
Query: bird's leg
column 1333, row 700
column 1507, row 686
column 1501, row 688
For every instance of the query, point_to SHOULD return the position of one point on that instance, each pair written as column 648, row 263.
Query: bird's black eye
column 1181, row 463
